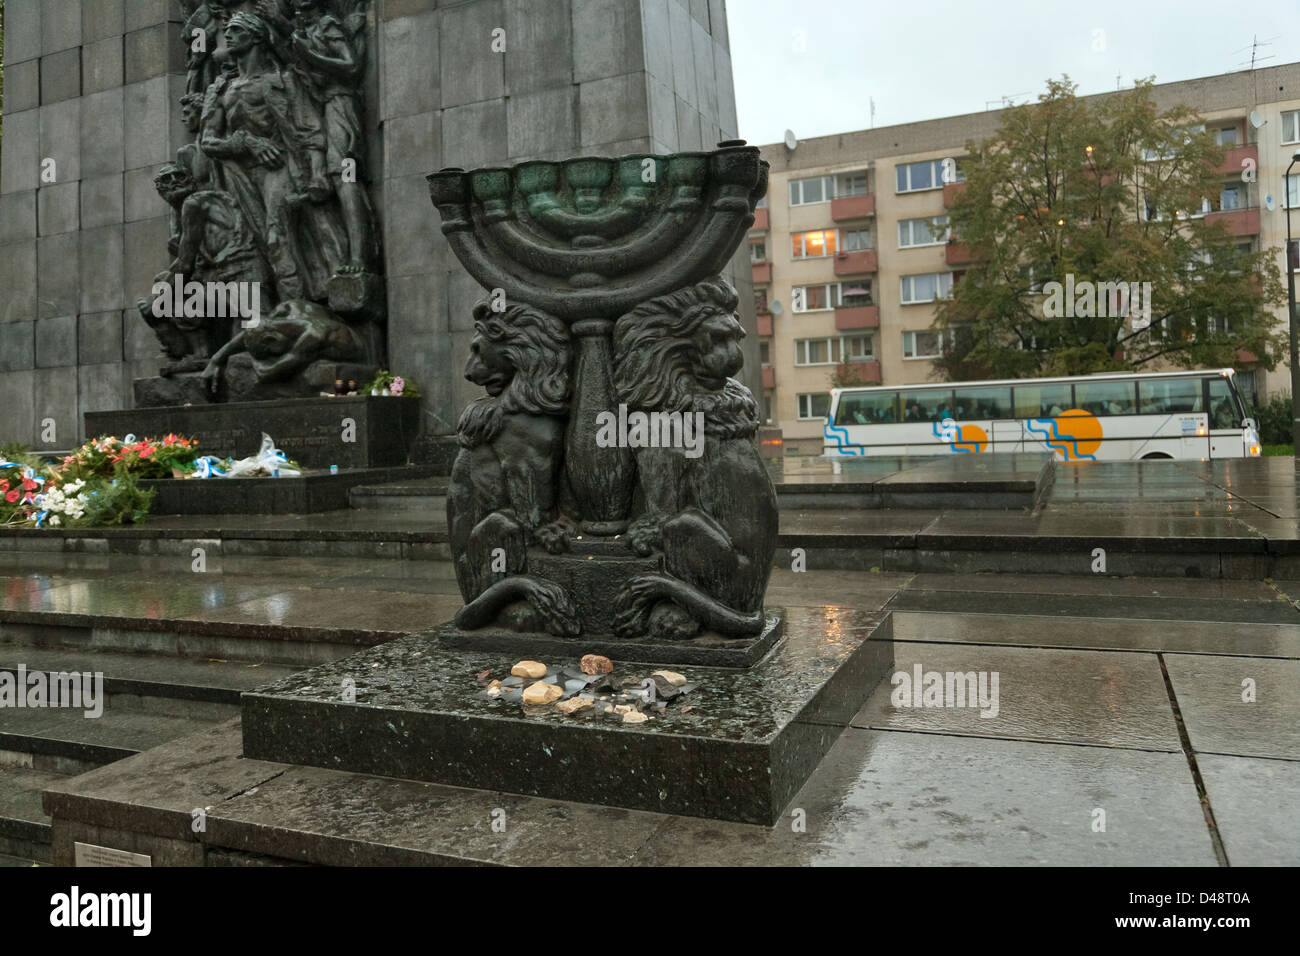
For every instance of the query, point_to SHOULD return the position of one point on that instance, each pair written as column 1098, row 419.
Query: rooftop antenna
column 1117, row 79
column 1255, row 46
column 790, row 142
column 1007, row 100
column 872, row 101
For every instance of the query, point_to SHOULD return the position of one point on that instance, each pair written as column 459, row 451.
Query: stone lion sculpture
column 504, row 493
column 712, row 516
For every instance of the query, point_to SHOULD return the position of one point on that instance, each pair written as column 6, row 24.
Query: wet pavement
column 1094, row 677
column 1139, row 720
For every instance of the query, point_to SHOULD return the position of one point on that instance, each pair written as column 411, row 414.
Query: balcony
column 1237, row 155
column 855, row 263
column 769, row 377
column 950, row 193
column 857, row 317
column 762, row 272
column 765, row 323
column 857, row 373
column 1240, row 222
column 760, row 221
column 853, row 207
column 958, row 253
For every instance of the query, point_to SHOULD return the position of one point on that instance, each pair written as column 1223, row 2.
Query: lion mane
column 537, row 346
column 654, row 359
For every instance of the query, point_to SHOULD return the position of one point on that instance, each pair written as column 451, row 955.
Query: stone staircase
column 150, row 699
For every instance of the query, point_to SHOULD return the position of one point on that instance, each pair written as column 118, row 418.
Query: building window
column 1292, row 191
column 767, row 408
column 856, row 240
column 926, row 288
column 815, row 298
column 856, row 294
column 1291, row 127
column 816, row 351
column 760, row 300
column 818, row 242
column 914, row 177
column 832, row 351
column 805, row 192
column 919, row 345
column 857, row 348
column 761, row 204
column 1232, row 197
column 765, row 352
column 758, row 252
column 816, row 405
column 921, row 232
column 850, row 184
column 1227, row 136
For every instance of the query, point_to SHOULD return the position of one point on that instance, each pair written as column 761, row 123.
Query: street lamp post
column 1292, row 262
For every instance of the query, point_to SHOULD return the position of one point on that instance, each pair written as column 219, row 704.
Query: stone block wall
column 95, row 86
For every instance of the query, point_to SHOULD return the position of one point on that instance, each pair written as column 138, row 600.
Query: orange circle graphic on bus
column 1079, row 431
column 970, row 438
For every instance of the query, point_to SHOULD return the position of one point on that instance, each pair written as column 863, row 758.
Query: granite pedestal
column 361, row 431
column 737, row 746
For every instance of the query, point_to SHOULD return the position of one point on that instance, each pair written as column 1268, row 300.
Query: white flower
column 54, row 520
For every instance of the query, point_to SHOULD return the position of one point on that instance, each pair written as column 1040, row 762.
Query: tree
column 1095, row 195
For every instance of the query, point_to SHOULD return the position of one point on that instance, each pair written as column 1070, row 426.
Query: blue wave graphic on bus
column 949, row 432
column 840, row 436
column 1054, row 440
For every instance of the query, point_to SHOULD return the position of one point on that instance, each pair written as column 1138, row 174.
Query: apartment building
column 850, row 252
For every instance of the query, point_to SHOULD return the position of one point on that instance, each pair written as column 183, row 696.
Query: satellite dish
column 775, row 307
column 1269, row 202
column 790, row 141
column 1256, row 120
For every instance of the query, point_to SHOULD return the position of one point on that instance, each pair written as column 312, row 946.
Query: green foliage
column 385, row 379
column 1274, row 419
column 120, row 501
column 1062, row 189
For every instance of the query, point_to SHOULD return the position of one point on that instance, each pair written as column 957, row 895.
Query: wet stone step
column 1089, row 606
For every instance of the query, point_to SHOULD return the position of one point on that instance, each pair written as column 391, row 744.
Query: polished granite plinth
column 736, row 747
column 309, row 493
column 360, row 431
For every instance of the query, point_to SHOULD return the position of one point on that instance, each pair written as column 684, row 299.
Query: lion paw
column 644, row 535
column 671, row 622
column 554, row 537
column 555, row 612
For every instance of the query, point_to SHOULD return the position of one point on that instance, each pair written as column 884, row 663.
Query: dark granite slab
column 708, row 649
column 748, row 741
column 306, row 494
column 311, row 431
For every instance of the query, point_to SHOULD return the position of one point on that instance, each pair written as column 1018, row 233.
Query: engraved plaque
column 87, row 854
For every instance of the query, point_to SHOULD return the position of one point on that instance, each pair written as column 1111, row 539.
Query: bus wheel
column 1156, row 455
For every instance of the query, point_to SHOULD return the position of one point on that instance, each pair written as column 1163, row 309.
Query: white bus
column 1109, row 417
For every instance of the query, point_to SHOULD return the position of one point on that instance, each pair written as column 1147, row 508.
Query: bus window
column 1105, row 398
column 1223, row 406
column 926, row 405
column 1042, row 401
column 1165, row 396
column 973, row 404
column 867, row 408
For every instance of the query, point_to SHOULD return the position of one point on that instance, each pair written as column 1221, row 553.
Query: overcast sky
column 812, row 66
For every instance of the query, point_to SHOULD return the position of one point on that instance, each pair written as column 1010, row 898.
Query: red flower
column 146, row 452
column 4, row 484
column 12, row 496
column 29, row 485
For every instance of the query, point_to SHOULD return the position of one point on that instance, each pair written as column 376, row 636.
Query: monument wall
column 95, row 86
